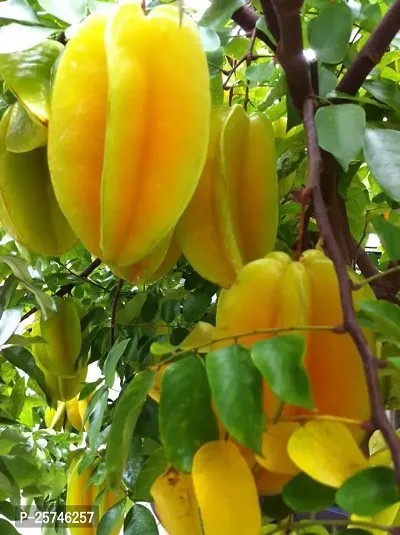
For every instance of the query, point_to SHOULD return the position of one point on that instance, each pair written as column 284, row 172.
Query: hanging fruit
column 29, row 211
column 233, row 216
column 123, row 175
column 277, row 292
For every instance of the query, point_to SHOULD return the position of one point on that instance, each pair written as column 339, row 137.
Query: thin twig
column 114, row 311
column 376, row 277
column 234, row 338
column 249, row 54
column 66, row 289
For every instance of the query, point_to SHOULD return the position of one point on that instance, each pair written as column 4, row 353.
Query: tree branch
column 246, row 18
column 378, row 416
column 290, row 50
column 372, row 52
column 292, row 59
column 64, row 290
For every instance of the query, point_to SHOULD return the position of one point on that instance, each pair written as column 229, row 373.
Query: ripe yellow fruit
column 79, row 493
column 225, row 490
column 124, row 176
column 232, row 218
column 29, row 211
column 277, row 292
column 75, row 410
column 155, row 266
column 175, row 503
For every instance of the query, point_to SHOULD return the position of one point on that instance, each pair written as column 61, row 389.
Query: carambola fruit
column 225, row 490
column 277, row 292
column 79, row 493
column 233, row 216
column 129, row 128
column 155, row 266
column 175, row 503
column 29, row 211
column 62, row 333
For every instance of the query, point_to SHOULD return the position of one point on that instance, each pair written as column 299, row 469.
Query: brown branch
column 114, row 311
column 292, row 59
column 290, row 50
column 378, row 416
column 246, row 18
column 66, row 289
column 372, row 52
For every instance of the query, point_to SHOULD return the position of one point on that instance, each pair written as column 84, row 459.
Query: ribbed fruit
column 175, row 503
column 155, row 266
column 232, row 218
column 29, row 211
column 225, row 490
column 124, row 175
column 277, row 292
column 79, row 493
column 62, row 332
column 75, row 410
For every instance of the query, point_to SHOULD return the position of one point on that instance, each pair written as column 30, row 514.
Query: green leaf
column 381, row 316
column 369, row 491
column 389, row 235
column 88, row 388
column 279, row 360
column 111, row 518
column 236, row 387
column 23, row 359
column 219, row 12
column 327, row 82
column 330, row 33
column 262, row 26
column 96, row 418
column 261, row 72
column 93, row 402
column 131, row 310
column 340, row 130
column 8, row 439
column 19, row 267
column 111, row 362
column 186, row 417
column 17, row 37
column 9, row 322
column 6, row 528
column 209, row 39
column 17, row 398
column 18, row 10
column 381, row 152
column 305, row 495
column 24, row 134
column 72, row 11
column 384, row 90
column 275, row 507
column 140, row 521
column 195, row 306
column 28, row 74
column 150, row 308
column 152, row 468
column 370, row 16
column 123, row 424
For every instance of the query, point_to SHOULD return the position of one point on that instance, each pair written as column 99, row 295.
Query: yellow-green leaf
column 326, row 451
